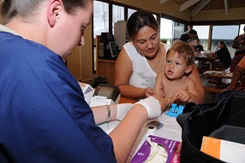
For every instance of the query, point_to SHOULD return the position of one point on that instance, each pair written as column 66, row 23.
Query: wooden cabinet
column 104, row 67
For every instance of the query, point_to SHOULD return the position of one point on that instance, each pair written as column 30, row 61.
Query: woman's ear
column 54, row 10
column 188, row 69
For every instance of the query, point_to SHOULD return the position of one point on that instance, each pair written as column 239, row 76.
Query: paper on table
column 88, row 91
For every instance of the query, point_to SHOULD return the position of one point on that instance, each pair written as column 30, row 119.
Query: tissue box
column 88, row 91
column 158, row 150
column 224, row 150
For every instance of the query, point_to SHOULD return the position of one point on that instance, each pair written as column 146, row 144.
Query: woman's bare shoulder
column 187, row 80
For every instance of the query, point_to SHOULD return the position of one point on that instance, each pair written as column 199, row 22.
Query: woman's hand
column 148, row 92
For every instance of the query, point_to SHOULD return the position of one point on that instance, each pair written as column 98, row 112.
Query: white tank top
column 142, row 76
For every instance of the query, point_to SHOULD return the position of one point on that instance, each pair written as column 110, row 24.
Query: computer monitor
column 113, row 49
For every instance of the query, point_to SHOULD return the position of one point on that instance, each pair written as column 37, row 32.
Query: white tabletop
column 170, row 130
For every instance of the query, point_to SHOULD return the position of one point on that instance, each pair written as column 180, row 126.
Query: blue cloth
column 43, row 114
column 175, row 110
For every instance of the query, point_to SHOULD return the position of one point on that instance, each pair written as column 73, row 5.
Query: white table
column 170, row 130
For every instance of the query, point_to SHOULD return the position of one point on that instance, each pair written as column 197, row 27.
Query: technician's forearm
column 101, row 113
column 126, row 133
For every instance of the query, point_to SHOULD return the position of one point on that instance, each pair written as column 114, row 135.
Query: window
column 100, row 23
column 130, row 12
column 178, row 29
column 224, row 33
column 118, row 14
column 166, row 30
column 241, row 29
column 170, row 30
column 203, row 35
column 101, row 17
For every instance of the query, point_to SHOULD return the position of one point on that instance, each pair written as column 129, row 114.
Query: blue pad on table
column 175, row 110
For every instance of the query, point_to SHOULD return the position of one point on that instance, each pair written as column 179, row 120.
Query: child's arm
column 183, row 96
column 190, row 94
column 158, row 88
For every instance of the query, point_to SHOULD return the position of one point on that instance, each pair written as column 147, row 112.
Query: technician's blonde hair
column 25, row 8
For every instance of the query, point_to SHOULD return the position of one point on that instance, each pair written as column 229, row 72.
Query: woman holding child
column 143, row 57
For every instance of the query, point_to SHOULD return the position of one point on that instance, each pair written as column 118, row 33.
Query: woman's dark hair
column 138, row 20
column 223, row 43
column 11, row 8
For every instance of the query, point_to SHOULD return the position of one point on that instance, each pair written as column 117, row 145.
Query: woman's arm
column 123, row 71
column 158, row 88
column 195, row 76
column 236, row 77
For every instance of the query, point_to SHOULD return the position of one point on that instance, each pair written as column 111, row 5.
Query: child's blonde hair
column 184, row 50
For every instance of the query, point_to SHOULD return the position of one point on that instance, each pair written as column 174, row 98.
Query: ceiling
column 196, row 5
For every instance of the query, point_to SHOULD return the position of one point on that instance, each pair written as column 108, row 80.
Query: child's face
column 176, row 66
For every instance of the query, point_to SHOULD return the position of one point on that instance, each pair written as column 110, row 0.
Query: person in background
column 173, row 80
column 43, row 114
column 238, row 79
column 143, row 57
column 199, row 47
column 189, row 27
column 223, row 55
column 239, row 43
column 190, row 37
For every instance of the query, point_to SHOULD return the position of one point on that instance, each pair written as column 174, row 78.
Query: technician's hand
column 155, row 105
column 183, row 96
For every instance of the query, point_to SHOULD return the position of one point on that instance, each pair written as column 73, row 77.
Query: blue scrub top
column 43, row 114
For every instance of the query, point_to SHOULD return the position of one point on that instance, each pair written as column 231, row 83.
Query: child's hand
column 183, row 96
column 158, row 94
